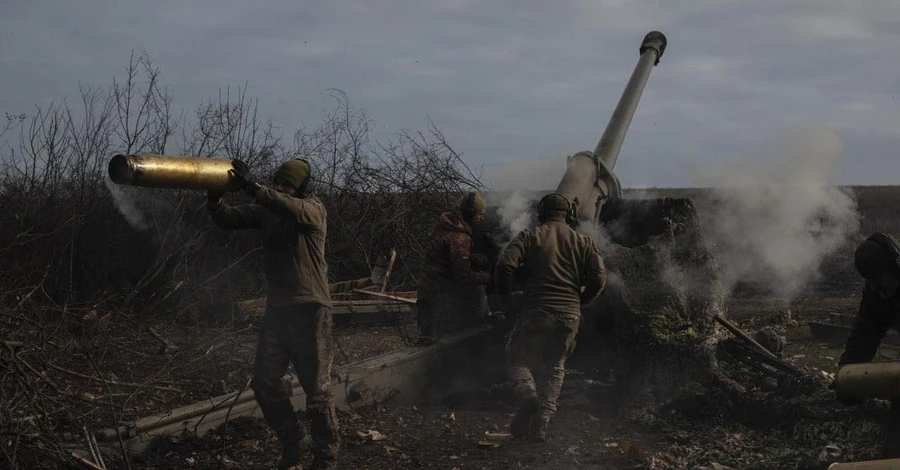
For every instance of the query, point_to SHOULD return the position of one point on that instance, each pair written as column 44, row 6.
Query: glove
column 241, row 175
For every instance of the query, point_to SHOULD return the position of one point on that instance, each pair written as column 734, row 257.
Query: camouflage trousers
column 300, row 334
column 540, row 343
column 449, row 309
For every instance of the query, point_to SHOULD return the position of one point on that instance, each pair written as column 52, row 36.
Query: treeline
column 68, row 236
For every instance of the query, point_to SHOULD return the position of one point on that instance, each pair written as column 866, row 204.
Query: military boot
column 291, row 452
column 290, row 456
column 324, row 463
column 521, row 423
column 538, row 431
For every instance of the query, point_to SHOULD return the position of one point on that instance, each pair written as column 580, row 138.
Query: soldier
column 876, row 259
column 297, row 323
column 451, row 293
column 558, row 261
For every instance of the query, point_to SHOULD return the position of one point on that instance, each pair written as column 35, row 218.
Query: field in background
column 875, row 205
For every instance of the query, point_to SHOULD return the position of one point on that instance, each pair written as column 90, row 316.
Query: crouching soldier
column 297, row 323
column 558, row 262
column 876, row 260
column 451, row 294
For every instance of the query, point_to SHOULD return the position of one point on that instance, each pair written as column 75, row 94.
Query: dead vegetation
column 118, row 301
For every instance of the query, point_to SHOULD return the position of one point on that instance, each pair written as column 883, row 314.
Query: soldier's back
column 555, row 264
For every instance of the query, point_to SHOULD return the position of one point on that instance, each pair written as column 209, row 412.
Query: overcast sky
column 515, row 86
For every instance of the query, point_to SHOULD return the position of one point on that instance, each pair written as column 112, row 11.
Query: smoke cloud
column 515, row 213
column 515, row 186
column 773, row 220
column 127, row 206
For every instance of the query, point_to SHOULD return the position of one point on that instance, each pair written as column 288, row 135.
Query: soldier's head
column 553, row 206
column 292, row 177
column 877, row 260
column 472, row 207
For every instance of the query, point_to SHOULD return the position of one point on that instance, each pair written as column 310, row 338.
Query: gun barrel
column 651, row 51
column 869, row 380
column 589, row 176
column 172, row 172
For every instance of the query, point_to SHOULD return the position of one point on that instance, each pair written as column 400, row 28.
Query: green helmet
column 293, row 172
column 471, row 204
column 553, row 202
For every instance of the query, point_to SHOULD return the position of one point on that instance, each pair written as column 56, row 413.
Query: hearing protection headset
column 468, row 207
column 570, row 209
column 307, row 186
column 890, row 244
column 308, row 166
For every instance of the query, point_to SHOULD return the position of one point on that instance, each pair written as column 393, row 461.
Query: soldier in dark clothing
column 558, row 262
column 297, row 323
column 876, row 260
column 451, row 294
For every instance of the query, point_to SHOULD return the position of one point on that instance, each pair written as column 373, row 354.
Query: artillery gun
column 661, row 309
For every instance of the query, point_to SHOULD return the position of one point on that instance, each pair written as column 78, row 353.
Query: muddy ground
column 596, row 425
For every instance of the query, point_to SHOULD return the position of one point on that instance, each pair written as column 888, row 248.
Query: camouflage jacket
column 293, row 232
column 449, row 258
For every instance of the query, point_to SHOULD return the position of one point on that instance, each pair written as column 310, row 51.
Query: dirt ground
column 595, row 426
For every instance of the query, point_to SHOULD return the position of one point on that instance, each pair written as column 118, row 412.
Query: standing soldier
column 297, row 324
column 451, row 293
column 558, row 261
column 877, row 260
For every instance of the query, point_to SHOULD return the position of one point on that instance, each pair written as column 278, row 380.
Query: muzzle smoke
column 772, row 221
column 515, row 213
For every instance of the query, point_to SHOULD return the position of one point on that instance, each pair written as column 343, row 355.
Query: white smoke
column 773, row 220
column 127, row 206
column 596, row 233
column 515, row 214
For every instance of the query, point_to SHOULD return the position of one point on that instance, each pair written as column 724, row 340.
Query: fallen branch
column 87, row 437
column 41, row 375
column 12, row 345
column 228, row 415
column 167, row 345
column 110, row 382
column 83, row 461
column 235, row 263
column 33, row 290
column 384, row 296
column 390, row 267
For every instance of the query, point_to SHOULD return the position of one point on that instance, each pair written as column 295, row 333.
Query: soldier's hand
column 241, row 174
